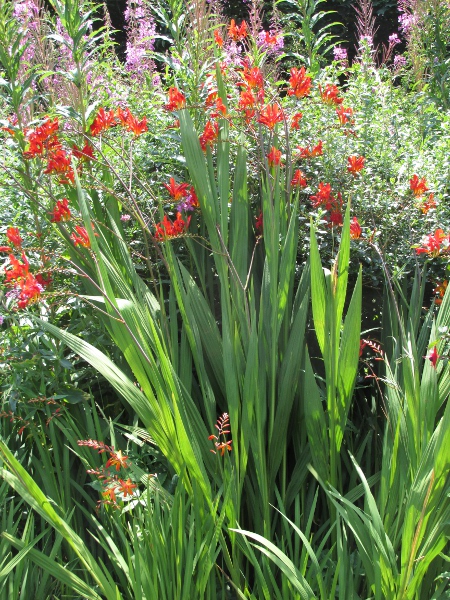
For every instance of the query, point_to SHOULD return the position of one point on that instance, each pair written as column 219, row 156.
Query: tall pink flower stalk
column 140, row 28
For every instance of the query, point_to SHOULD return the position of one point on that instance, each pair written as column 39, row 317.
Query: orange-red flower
column 220, row 109
column 418, row 186
column 13, row 236
column 271, row 115
column 259, row 224
column 299, row 179
column 209, row 135
column 30, row 290
column 59, row 162
column 85, row 154
column 295, row 123
column 440, row 290
column 311, row 153
column 5, row 249
column 19, row 270
column 355, row 164
column 274, row 157
column 82, row 239
column 167, row 229
column 176, row 190
column 428, row 204
column 117, row 460
column 323, row 197
column 61, row 212
column 330, row 95
column 130, row 122
column 300, row 83
column 355, row 229
column 344, row 114
column 433, row 356
column 177, row 100
column 126, row 487
column 434, row 244
column 237, row 33
column 218, row 38
column 43, row 138
column 253, row 78
column 103, row 121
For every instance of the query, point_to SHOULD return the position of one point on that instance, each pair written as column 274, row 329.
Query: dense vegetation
column 223, row 310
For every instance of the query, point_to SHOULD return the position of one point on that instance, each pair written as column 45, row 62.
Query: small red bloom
column 259, row 224
column 176, row 190
column 355, row 164
column 433, row 356
column 30, row 290
column 59, row 163
column 167, row 229
column 317, row 150
column 13, row 236
column 117, row 460
column 355, row 229
column 19, row 270
column 253, row 78
column 220, row 109
column 61, row 212
column 177, row 100
column 344, row 114
column 130, row 122
column 428, row 204
column 323, row 197
column 218, row 38
column 433, row 244
column 209, row 135
column 237, row 33
column 271, row 115
column 103, row 121
column 418, row 186
column 85, row 154
column 5, row 249
column 82, row 239
column 299, row 179
column 440, row 290
column 295, row 123
column 274, row 157
column 300, row 83
column 330, row 95
column 45, row 282
column 126, row 487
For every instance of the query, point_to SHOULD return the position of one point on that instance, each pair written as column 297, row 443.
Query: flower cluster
column 329, row 202
column 104, row 120
column 26, row 287
column 141, row 29
column 270, row 41
column 435, row 244
column 168, row 229
column 222, row 444
column 418, row 186
column 112, row 484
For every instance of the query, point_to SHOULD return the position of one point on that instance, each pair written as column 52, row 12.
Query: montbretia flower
column 218, row 38
column 253, row 78
column 355, row 164
column 167, row 229
column 428, row 204
column 300, row 83
column 274, row 157
column 418, row 186
column 440, row 290
column 311, row 152
column 355, row 229
column 323, row 197
column 117, row 460
column 19, row 269
column 60, row 163
column 176, row 190
column 345, row 115
column 61, row 212
column 30, row 290
column 434, row 244
column 82, row 239
column 209, row 135
column 330, row 95
column 177, row 100
column 295, row 123
column 13, row 236
column 271, row 115
column 237, row 33
column 130, row 122
column 126, row 488
column 85, row 154
column 103, row 121
column 222, row 444
column 299, row 179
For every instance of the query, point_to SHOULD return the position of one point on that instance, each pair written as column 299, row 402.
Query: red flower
column 299, row 179
column 13, row 236
column 418, row 186
column 432, row 244
column 85, row 154
column 129, row 121
column 259, row 224
column 43, row 138
column 345, row 115
column 103, row 121
column 336, row 218
column 247, row 102
column 221, row 109
column 126, row 487
column 45, row 282
column 428, row 204
column 19, row 270
column 59, row 162
column 30, row 290
column 300, row 83
column 237, row 33
column 117, row 460
column 440, row 290
column 167, row 229
column 433, row 356
column 209, row 135
column 82, row 239
column 61, row 212
column 311, row 153
column 355, row 229
column 323, row 197
column 253, row 78
column 295, row 124
column 271, row 115
column 177, row 100
column 176, row 190
column 274, row 157
column 218, row 38
column 5, row 249
column 330, row 95
column 355, row 164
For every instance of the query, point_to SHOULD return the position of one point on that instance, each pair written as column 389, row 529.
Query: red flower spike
column 222, row 444
column 166, row 229
column 253, row 78
column 60, row 163
column 177, row 100
column 30, row 290
column 85, row 154
column 82, row 239
column 13, row 236
column 209, row 135
column 131, row 123
column 300, row 83
column 176, row 190
column 299, row 179
column 274, row 157
column 355, row 229
column 237, row 33
column 295, row 123
column 355, row 164
column 103, row 121
column 19, row 270
column 344, row 114
column 61, row 212
column 418, row 186
column 218, row 38
column 330, row 95
column 271, row 115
